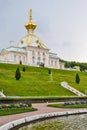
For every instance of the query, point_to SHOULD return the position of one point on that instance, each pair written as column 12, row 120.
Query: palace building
column 30, row 50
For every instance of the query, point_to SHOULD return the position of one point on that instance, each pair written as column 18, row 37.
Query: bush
column 29, row 104
column 17, row 74
column 24, row 69
column 49, row 72
column 77, row 79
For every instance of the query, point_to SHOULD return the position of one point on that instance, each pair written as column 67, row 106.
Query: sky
column 61, row 24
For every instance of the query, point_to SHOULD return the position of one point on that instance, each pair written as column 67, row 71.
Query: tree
column 24, row 69
column 77, row 79
column 17, row 74
column 49, row 72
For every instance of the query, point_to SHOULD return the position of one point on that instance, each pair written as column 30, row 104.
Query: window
column 38, row 59
column 55, row 63
column 24, row 59
column 19, row 58
column 43, row 59
column 10, row 56
column 14, row 57
column 33, row 59
column 33, row 52
column 51, row 63
column 38, row 52
column 43, row 53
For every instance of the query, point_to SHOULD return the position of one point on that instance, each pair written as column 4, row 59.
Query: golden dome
column 31, row 39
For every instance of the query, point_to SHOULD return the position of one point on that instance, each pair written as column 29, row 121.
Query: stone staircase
column 75, row 91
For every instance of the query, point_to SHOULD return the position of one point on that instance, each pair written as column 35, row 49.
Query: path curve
column 42, row 108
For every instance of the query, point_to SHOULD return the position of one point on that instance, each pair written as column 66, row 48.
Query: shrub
column 49, row 72
column 77, row 79
column 24, row 69
column 29, row 104
column 17, row 74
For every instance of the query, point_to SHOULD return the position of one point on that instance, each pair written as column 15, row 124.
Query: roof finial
column 30, row 26
column 30, row 13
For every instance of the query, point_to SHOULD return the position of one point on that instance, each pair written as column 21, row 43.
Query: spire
column 30, row 14
column 30, row 26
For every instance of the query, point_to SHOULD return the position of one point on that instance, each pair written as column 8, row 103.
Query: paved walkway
column 42, row 108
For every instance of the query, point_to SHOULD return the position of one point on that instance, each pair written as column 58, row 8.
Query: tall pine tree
column 49, row 71
column 17, row 74
column 24, row 69
column 77, row 79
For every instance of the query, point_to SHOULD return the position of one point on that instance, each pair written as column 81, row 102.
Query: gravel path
column 42, row 108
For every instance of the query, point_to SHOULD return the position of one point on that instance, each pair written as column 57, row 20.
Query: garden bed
column 8, row 109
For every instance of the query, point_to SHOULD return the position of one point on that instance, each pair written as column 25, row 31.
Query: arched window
column 38, row 59
column 38, row 52
column 33, row 52
column 14, row 58
column 10, row 56
column 44, row 60
column 19, row 58
column 24, row 59
column 33, row 59
column 43, row 53
column 55, row 63
column 51, row 62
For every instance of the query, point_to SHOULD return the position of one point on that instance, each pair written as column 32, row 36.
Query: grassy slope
column 35, row 81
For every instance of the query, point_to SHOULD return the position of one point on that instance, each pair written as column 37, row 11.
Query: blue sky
column 61, row 24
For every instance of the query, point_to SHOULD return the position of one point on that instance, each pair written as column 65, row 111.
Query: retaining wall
column 40, row 100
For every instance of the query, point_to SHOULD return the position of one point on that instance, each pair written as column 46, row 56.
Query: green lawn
column 35, row 81
column 15, row 111
column 68, row 106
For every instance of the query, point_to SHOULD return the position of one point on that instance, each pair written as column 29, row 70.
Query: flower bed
column 17, row 105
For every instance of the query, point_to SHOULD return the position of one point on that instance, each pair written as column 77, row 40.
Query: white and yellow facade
column 30, row 50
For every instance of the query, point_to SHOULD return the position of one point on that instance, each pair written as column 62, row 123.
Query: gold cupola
column 30, row 26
